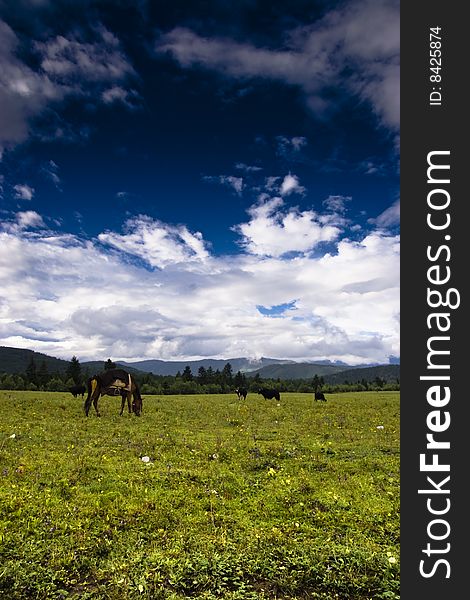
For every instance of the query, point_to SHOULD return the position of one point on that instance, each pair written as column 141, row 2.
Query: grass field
column 239, row 499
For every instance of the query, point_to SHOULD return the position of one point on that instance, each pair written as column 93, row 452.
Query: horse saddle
column 118, row 386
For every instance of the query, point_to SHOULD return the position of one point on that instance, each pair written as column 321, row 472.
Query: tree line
column 206, row 381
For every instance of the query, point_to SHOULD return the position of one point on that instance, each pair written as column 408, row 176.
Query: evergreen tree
column 239, row 380
column 109, row 364
column 202, row 376
column 31, row 372
column 317, row 383
column 43, row 374
column 379, row 382
column 227, row 375
column 210, row 374
column 74, row 370
column 187, row 375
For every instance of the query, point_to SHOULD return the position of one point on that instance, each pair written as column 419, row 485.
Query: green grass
column 240, row 500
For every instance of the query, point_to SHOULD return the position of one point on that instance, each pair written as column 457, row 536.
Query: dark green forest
column 43, row 375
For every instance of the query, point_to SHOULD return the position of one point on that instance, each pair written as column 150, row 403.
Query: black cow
column 269, row 394
column 241, row 393
column 77, row 390
column 320, row 396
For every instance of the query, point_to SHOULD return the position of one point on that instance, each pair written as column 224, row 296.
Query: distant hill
column 331, row 374
column 16, row 360
column 297, row 371
column 166, row 367
column 388, row 373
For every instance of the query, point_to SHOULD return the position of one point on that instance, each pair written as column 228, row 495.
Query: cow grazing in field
column 241, row 393
column 114, row 382
column 320, row 396
column 77, row 390
column 269, row 394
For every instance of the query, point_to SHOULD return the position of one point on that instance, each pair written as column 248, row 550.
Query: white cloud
column 64, row 59
column 248, row 168
column 157, row 243
column 63, row 295
column 290, row 185
column 23, row 191
column 361, row 35
column 51, row 171
column 23, row 220
column 389, row 218
column 236, row 183
column 69, row 67
column 271, row 184
column 290, row 146
column 274, row 232
column 28, row 219
column 117, row 94
column 337, row 204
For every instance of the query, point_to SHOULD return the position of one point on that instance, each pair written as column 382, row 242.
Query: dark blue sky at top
column 188, row 126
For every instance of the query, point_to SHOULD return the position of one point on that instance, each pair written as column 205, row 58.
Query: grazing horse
column 114, row 382
column 269, row 394
column 241, row 393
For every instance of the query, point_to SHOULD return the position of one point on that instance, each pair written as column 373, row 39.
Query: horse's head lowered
column 114, row 382
column 137, row 404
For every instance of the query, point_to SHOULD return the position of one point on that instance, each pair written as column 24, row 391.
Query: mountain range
column 16, row 360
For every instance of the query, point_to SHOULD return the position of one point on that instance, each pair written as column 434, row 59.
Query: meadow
column 201, row 497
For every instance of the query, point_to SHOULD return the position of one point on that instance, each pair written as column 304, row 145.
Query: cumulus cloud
column 285, row 186
column 272, row 231
column 157, row 243
column 361, row 35
column 82, row 299
column 28, row 219
column 23, row 191
column 290, row 185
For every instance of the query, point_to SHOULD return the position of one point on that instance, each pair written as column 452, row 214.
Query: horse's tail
column 137, row 390
column 91, row 384
column 137, row 397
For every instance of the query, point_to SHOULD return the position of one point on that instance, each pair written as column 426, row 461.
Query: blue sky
column 200, row 179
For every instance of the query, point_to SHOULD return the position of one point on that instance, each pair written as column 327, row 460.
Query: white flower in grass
column 145, row 459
